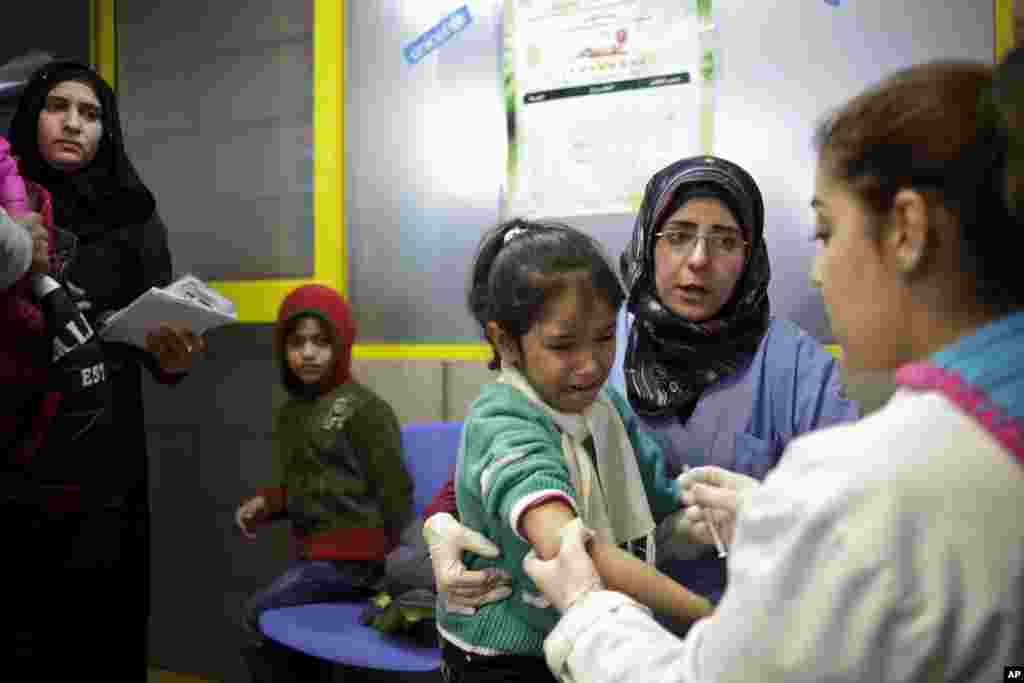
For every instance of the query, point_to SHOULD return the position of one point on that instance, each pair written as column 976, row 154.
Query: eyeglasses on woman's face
column 719, row 241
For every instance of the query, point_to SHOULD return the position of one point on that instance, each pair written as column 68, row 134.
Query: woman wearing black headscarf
column 706, row 367
column 81, row 500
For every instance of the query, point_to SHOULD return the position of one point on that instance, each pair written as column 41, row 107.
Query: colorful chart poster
column 600, row 94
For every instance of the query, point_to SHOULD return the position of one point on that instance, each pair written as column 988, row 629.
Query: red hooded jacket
column 370, row 494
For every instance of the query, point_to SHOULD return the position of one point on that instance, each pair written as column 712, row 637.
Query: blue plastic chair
column 332, row 631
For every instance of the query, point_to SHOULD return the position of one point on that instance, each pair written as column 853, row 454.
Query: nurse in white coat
column 891, row 549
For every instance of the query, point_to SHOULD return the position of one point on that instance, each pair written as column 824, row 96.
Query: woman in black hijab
column 707, row 368
column 83, row 512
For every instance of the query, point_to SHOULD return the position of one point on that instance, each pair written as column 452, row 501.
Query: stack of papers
column 187, row 302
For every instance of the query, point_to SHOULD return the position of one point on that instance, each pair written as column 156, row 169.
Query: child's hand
column 33, row 222
column 249, row 513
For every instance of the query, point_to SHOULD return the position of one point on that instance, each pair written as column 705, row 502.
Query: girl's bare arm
column 619, row 570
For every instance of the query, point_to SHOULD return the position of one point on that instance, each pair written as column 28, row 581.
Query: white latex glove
column 675, row 535
column 570, row 575
column 717, row 492
column 461, row 590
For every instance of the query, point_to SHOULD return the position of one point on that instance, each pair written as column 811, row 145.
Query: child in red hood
column 343, row 482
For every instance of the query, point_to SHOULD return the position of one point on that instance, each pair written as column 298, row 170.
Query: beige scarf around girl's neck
column 618, row 518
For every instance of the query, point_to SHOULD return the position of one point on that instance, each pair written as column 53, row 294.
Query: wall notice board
column 425, row 141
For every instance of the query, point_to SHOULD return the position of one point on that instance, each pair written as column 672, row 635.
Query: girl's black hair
column 520, row 265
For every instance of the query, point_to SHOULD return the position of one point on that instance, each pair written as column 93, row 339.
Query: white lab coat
column 891, row 549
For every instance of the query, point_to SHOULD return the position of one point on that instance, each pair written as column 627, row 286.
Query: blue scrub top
column 744, row 422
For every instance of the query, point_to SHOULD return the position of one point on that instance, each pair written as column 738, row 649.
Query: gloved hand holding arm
column 571, row 575
column 460, row 589
column 544, row 524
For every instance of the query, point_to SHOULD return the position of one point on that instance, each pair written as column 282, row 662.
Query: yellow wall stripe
column 330, row 252
column 1004, row 24
column 103, row 39
column 473, row 352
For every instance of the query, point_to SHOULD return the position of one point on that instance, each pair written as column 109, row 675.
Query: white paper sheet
column 187, row 302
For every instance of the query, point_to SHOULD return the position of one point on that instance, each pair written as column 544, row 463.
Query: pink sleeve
column 13, row 195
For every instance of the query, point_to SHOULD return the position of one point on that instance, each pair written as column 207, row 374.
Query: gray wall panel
column 425, row 148
column 29, row 27
column 218, row 106
column 784, row 66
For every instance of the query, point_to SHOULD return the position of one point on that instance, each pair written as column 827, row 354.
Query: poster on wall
column 599, row 95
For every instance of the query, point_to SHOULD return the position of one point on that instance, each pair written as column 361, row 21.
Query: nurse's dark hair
column 934, row 128
column 521, row 264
